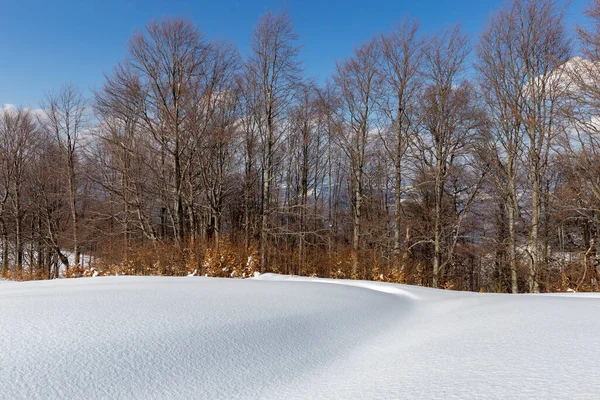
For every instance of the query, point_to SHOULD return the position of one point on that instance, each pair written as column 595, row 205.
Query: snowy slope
column 278, row 337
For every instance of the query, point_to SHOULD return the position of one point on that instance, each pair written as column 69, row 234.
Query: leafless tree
column 402, row 55
column 65, row 118
column 450, row 122
column 274, row 70
column 358, row 81
column 170, row 60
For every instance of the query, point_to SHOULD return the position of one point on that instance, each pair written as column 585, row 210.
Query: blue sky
column 46, row 43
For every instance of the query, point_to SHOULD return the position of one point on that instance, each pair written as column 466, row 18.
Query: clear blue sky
column 46, row 43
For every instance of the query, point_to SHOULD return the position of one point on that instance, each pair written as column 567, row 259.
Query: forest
column 427, row 158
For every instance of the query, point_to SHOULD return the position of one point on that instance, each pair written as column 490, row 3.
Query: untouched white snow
column 276, row 337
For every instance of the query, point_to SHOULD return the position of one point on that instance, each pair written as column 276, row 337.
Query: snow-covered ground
column 277, row 337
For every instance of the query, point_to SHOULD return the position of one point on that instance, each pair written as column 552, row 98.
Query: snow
column 277, row 337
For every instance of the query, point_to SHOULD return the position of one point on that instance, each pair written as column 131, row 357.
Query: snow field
column 277, row 337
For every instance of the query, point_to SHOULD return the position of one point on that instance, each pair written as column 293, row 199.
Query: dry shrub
column 14, row 275
column 76, row 271
column 233, row 260
column 172, row 259
column 391, row 275
column 575, row 277
column 448, row 286
column 229, row 261
column 165, row 258
column 341, row 266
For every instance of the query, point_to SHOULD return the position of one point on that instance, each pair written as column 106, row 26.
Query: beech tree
column 451, row 121
column 401, row 56
column 18, row 140
column 274, row 70
column 358, row 81
column 65, row 118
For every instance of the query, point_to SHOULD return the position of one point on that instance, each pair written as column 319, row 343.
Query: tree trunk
column 4, row 249
column 512, row 238
column 437, row 227
column 534, row 235
column 265, row 197
column 18, row 231
column 73, row 205
column 398, row 205
column 356, row 223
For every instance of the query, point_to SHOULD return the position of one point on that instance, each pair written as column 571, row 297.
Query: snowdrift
column 277, row 337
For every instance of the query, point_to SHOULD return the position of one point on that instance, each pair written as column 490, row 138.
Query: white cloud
column 37, row 112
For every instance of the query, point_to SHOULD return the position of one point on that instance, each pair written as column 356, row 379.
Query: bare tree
column 358, row 81
column 450, row 121
column 217, row 146
column 21, row 143
column 504, row 84
column 170, row 60
column 580, row 142
column 65, row 118
column 401, row 63
column 274, row 69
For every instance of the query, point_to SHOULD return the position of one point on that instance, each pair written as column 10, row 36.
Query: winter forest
column 428, row 158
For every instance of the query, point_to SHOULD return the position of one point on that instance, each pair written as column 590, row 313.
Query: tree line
column 426, row 158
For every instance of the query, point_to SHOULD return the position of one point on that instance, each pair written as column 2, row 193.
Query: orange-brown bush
column 233, row 260
column 15, row 275
column 229, row 261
